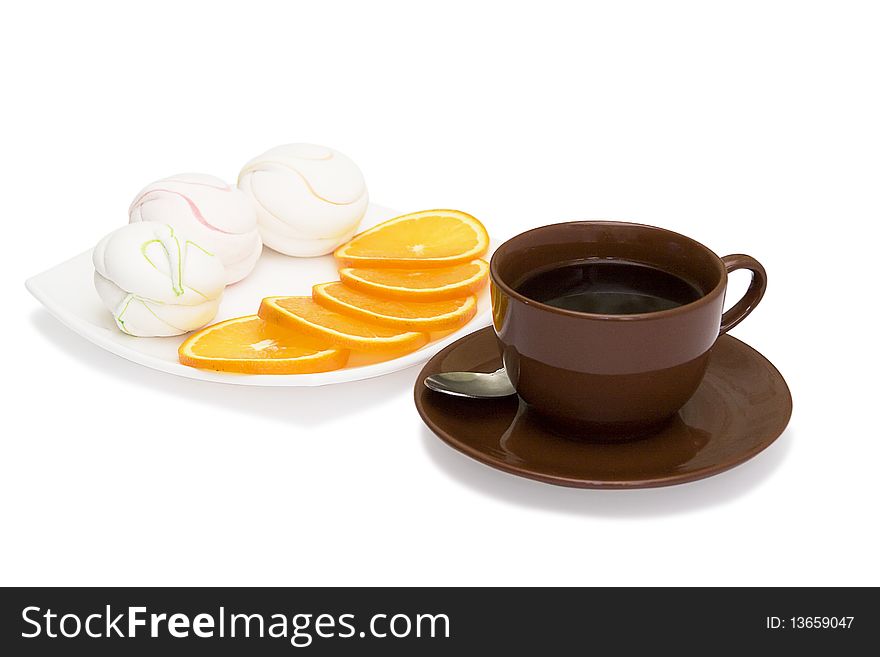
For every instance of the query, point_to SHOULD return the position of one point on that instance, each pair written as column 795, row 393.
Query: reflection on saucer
column 526, row 440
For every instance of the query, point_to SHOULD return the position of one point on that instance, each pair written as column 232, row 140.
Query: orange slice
column 418, row 284
column 251, row 346
column 304, row 315
column 433, row 238
column 404, row 315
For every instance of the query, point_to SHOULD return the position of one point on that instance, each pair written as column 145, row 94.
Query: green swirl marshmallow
column 155, row 281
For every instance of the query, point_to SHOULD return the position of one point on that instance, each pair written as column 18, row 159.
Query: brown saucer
column 741, row 407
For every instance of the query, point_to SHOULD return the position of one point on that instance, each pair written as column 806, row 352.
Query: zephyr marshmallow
column 218, row 216
column 309, row 199
column 156, row 281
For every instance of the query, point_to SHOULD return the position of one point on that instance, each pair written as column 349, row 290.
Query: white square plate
column 69, row 294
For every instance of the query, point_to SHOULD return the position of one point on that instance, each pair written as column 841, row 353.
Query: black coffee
column 609, row 287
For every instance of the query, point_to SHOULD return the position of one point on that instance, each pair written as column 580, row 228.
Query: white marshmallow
column 156, row 281
column 217, row 216
column 309, row 199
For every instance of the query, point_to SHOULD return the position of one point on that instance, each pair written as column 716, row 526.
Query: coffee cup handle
column 741, row 309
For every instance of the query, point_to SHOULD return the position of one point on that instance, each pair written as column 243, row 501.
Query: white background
column 752, row 127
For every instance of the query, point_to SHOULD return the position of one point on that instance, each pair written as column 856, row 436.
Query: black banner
column 286, row 621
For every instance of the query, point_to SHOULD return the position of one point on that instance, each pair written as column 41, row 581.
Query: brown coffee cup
column 612, row 377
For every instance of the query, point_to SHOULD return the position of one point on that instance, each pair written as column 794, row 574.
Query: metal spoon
column 476, row 385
